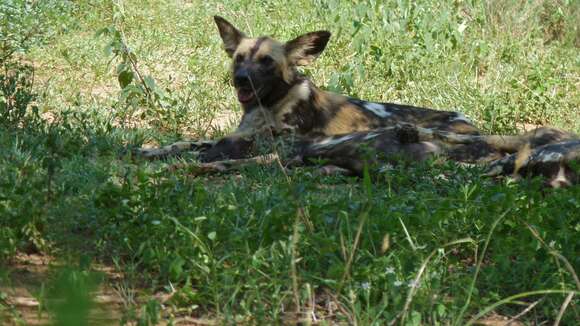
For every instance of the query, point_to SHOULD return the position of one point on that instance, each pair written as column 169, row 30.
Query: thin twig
column 478, row 266
column 563, row 308
column 301, row 213
column 509, row 299
column 342, row 308
column 523, row 312
column 413, row 246
column 127, row 52
column 415, row 285
column 556, row 254
column 412, row 290
column 363, row 218
column 293, row 258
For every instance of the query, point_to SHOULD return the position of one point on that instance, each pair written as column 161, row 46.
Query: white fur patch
column 371, row 135
column 296, row 94
column 431, row 147
column 551, row 157
column 560, row 180
column 331, row 141
column 495, row 170
column 378, row 109
column 255, row 120
column 460, row 117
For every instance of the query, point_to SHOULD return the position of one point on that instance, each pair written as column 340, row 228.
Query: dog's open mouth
column 245, row 95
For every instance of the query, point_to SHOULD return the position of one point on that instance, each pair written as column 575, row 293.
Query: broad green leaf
column 125, row 78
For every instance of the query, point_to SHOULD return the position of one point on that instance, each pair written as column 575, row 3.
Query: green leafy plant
column 137, row 90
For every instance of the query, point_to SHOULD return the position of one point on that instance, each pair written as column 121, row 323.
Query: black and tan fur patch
column 279, row 101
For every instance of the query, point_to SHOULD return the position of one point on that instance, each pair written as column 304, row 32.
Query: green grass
column 252, row 247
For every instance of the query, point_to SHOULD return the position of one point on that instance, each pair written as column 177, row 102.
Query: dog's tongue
column 245, row 96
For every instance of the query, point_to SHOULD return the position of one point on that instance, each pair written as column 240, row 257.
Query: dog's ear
column 305, row 48
column 230, row 35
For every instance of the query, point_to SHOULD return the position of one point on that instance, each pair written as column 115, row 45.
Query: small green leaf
column 150, row 82
column 211, row 235
column 102, row 31
column 125, row 78
column 122, row 67
column 108, row 49
column 176, row 268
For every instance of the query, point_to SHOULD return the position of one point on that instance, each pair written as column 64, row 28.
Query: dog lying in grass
column 281, row 105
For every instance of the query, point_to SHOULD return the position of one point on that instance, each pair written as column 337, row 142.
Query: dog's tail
column 534, row 138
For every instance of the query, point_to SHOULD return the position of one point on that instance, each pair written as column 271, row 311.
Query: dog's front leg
column 241, row 145
column 174, row 149
column 224, row 166
column 229, row 148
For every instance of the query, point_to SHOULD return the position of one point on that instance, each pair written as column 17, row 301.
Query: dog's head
column 263, row 68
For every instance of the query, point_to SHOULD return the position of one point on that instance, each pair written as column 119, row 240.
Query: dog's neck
column 281, row 91
column 298, row 105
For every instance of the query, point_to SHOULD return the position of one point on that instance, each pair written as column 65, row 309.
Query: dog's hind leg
column 557, row 162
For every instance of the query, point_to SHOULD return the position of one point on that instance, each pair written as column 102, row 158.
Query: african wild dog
column 278, row 100
column 273, row 94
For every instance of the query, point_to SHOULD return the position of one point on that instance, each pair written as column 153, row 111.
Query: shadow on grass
column 43, row 163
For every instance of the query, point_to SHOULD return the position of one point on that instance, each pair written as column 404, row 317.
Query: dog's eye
column 266, row 60
column 239, row 58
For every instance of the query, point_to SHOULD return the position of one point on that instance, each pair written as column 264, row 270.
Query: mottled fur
column 278, row 101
